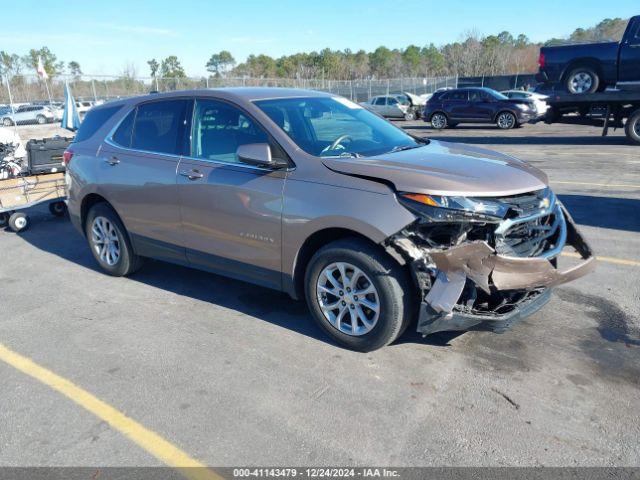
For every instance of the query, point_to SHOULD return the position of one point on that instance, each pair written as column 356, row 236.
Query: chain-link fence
column 32, row 89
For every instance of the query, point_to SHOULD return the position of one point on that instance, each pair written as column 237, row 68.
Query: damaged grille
column 534, row 226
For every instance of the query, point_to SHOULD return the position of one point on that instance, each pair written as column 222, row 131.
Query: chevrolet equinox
column 311, row 194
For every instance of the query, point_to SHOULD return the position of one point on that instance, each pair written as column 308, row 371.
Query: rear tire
column 439, row 121
column 632, row 127
column 582, row 80
column 109, row 241
column 394, row 295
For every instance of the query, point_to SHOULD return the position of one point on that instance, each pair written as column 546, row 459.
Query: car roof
column 246, row 94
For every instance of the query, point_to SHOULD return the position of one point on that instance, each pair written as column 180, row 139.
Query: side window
column 159, row 127
column 392, row 101
column 123, row 134
column 219, row 129
column 458, row 95
column 93, row 121
column 379, row 101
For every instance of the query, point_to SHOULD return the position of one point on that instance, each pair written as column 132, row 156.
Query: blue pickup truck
column 592, row 67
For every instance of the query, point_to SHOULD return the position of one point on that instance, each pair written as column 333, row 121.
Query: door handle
column 192, row 174
column 113, row 161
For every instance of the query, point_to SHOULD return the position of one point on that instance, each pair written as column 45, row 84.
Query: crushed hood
column 443, row 168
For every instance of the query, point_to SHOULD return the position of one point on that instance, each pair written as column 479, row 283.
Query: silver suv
column 311, row 194
column 25, row 114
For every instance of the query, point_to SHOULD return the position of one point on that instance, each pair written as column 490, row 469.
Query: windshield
column 334, row 126
column 497, row 95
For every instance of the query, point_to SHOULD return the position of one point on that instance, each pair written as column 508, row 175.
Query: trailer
column 617, row 109
column 22, row 192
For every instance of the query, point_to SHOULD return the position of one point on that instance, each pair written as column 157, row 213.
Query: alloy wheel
column 348, row 298
column 105, row 241
column 506, row 120
column 438, row 121
column 581, row 82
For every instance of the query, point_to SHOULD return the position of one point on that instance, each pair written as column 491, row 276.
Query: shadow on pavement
column 604, row 212
column 58, row 237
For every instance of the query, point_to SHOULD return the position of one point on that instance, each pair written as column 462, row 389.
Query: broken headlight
column 447, row 208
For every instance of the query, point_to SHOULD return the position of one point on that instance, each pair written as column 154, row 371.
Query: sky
column 105, row 35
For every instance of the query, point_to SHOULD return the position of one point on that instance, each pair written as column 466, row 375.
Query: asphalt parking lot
column 234, row 374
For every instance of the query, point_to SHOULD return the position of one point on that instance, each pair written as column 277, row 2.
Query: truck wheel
column 632, row 128
column 358, row 295
column 18, row 222
column 582, row 80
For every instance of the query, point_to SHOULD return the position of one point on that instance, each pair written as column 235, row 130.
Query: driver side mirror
column 258, row 155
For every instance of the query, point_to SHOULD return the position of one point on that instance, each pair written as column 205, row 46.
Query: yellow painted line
column 617, row 261
column 622, row 185
column 145, row 438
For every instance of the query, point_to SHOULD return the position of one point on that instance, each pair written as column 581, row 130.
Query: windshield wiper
column 400, row 148
column 344, row 155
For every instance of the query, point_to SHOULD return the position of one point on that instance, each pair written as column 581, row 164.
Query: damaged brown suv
column 311, row 194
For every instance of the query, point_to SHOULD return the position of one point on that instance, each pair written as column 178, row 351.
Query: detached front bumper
column 526, row 282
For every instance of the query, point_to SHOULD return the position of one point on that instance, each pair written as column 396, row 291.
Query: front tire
column 506, row 120
column 582, row 80
column 632, row 127
column 109, row 241
column 410, row 116
column 358, row 295
column 7, row 122
column 41, row 119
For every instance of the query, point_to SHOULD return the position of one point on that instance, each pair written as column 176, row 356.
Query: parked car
column 83, row 106
column 449, row 108
column 587, row 68
column 40, row 114
column 538, row 99
column 390, row 106
column 312, row 194
column 416, row 104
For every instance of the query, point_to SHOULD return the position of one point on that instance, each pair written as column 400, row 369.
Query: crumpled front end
column 477, row 271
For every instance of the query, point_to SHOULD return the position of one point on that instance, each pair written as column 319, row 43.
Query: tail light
column 66, row 157
column 541, row 60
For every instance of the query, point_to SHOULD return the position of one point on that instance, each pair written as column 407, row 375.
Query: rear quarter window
column 93, row 121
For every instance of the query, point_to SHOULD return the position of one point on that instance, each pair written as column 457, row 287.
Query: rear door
column 231, row 211
column 456, row 104
column 137, row 167
column 629, row 69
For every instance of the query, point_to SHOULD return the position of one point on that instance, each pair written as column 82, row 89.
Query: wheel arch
column 89, row 201
column 582, row 62
column 439, row 111
column 313, row 243
column 505, row 110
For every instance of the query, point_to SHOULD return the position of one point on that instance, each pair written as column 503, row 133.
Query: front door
column 629, row 72
column 480, row 106
column 137, row 169
column 231, row 211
